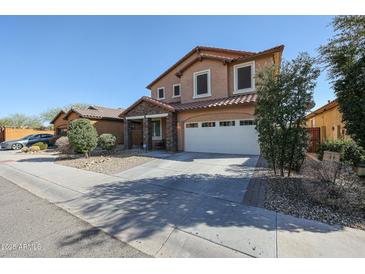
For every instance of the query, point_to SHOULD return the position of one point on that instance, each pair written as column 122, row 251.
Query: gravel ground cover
column 106, row 163
column 286, row 195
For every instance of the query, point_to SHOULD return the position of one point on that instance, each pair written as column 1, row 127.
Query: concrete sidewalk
column 165, row 222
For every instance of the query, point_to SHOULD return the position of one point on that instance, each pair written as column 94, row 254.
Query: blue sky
column 49, row 61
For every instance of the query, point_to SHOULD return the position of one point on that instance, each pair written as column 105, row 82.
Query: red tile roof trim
column 230, row 101
column 176, row 107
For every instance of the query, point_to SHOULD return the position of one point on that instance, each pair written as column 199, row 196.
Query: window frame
column 158, row 93
column 197, row 123
column 235, row 77
column 156, row 138
column 225, row 121
column 173, row 90
column 208, row 122
column 246, row 120
column 195, row 75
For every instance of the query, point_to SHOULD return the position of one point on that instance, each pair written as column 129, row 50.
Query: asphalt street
column 33, row 227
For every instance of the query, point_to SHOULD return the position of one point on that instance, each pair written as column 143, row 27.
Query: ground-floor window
column 156, row 130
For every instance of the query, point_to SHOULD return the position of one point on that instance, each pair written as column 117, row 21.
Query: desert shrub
column 334, row 184
column 350, row 152
column 107, row 141
column 41, row 145
column 25, row 149
column 82, row 136
column 34, row 149
column 63, row 145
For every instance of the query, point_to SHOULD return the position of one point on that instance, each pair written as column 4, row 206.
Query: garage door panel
column 231, row 139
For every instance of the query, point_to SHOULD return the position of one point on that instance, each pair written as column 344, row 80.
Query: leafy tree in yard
column 48, row 115
column 21, row 121
column 344, row 56
column 82, row 136
column 283, row 99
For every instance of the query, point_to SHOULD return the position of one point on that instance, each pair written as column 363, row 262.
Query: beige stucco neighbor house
column 205, row 102
column 105, row 120
column 328, row 120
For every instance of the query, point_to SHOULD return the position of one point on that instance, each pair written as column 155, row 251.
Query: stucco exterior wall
column 113, row 127
column 214, row 114
column 60, row 123
column 102, row 126
column 222, row 78
column 218, row 76
column 330, row 122
column 169, row 80
column 260, row 64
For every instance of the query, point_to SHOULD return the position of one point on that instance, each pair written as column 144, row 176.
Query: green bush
column 350, row 152
column 82, row 136
column 107, row 141
column 41, row 145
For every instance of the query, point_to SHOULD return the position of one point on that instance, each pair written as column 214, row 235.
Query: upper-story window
column 202, row 84
column 161, row 93
column 244, row 77
column 176, row 89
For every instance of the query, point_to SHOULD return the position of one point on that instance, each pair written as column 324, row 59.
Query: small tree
column 107, row 141
column 82, row 136
column 283, row 100
column 344, row 56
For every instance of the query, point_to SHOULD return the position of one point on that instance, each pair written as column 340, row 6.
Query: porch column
column 171, row 132
column 147, row 133
column 127, row 134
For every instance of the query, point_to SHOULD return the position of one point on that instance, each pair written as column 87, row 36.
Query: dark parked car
column 28, row 141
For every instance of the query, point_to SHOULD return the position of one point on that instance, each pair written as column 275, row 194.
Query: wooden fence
column 315, row 138
column 9, row 133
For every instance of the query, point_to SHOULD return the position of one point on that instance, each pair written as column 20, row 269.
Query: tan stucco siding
column 169, row 80
column 113, row 127
column 60, row 123
column 215, row 114
column 222, row 78
column 218, row 80
column 330, row 122
column 260, row 64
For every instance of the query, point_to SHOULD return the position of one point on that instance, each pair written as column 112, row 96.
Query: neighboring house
column 11, row 133
column 205, row 103
column 327, row 120
column 105, row 120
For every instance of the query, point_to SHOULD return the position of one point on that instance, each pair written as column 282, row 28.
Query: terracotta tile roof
column 97, row 112
column 229, row 101
column 236, row 55
column 175, row 107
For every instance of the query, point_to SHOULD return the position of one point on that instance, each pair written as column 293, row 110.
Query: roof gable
column 224, row 55
column 56, row 117
column 151, row 101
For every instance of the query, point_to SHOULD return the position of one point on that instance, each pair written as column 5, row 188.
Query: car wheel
column 17, row 146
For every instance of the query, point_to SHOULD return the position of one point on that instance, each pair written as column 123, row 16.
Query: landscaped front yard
column 303, row 195
column 107, row 163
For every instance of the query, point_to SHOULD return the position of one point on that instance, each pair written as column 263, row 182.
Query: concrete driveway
column 221, row 176
column 186, row 205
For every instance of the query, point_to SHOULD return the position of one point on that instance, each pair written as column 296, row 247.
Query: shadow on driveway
column 147, row 206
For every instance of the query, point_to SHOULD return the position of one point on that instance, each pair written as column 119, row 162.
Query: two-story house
column 205, row 102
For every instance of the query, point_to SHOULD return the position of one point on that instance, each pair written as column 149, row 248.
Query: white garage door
column 232, row 137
